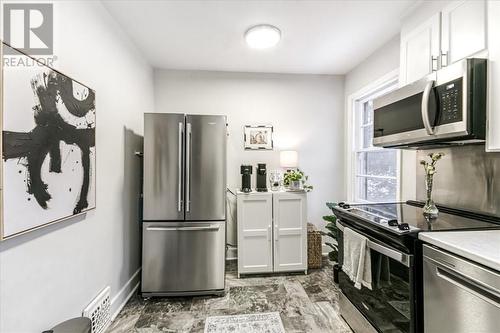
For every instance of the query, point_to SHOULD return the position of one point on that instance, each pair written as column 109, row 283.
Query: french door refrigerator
column 184, row 218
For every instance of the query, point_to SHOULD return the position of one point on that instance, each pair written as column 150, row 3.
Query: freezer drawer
column 183, row 257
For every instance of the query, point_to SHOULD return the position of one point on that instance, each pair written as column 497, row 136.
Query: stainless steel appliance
column 184, row 237
column 395, row 302
column 446, row 107
column 459, row 296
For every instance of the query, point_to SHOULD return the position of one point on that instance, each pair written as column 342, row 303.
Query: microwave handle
column 425, row 107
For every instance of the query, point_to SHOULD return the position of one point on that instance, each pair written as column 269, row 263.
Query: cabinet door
column 290, row 231
column 463, row 30
column 420, row 50
column 254, row 216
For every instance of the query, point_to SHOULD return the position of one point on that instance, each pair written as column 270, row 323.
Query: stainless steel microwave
column 446, row 107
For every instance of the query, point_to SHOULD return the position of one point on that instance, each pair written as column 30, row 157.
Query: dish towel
column 357, row 260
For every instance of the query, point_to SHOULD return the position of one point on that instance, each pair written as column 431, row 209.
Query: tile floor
column 306, row 303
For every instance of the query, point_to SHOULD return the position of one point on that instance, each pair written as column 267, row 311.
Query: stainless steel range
column 395, row 302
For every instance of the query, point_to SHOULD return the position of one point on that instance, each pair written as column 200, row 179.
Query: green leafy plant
column 332, row 232
column 297, row 175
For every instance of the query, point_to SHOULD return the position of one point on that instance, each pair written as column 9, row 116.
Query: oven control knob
column 393, row 223
column 404, row 226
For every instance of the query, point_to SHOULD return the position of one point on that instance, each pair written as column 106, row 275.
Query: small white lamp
column 289, row 159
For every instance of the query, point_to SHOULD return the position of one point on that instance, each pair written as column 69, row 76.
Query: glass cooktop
column 393, row 216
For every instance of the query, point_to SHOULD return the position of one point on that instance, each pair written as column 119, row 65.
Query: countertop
column 480, row 246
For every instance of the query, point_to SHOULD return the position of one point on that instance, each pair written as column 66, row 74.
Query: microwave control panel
column 450, row 101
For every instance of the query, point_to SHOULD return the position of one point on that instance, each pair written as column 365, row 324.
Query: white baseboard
column 124, row 294
column 232, row 253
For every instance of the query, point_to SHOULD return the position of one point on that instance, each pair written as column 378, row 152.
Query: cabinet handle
column 434, row 63
column 269, row 233
column 276, row 233
column 444, row 59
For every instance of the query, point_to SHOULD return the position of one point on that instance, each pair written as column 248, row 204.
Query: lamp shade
column 289, row 159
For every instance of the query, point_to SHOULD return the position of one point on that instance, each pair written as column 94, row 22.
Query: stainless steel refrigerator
column 184, row 223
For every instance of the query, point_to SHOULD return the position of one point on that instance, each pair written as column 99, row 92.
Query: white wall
column 376, row 66
column 305, row 110
column 384, row 60
column 50, row 275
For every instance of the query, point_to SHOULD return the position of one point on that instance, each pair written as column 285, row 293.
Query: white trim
column 123, row 290
column 363, row 93
column 232, row 253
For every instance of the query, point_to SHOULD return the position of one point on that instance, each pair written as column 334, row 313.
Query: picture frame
column 48, row 174
column 258, row 137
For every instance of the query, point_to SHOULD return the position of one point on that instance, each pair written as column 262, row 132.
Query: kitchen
column 234, row 139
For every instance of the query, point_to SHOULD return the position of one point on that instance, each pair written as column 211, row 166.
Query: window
column 375, row 169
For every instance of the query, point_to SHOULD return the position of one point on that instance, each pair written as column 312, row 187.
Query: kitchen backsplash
column 467, row 177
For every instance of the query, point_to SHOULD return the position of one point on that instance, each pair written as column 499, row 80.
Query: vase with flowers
column 430, row 209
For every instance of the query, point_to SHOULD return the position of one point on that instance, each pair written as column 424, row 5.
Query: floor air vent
column 99, row 311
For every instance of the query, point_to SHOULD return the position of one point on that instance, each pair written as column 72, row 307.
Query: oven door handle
column 400, row 257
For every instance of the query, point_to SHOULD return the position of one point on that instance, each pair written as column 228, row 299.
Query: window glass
column 376, row 168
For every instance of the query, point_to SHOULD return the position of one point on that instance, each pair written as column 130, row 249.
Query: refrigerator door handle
column 207, row 228
column 179, row 189
column 188, row 166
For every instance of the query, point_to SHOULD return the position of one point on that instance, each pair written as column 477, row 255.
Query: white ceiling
column 318, row 37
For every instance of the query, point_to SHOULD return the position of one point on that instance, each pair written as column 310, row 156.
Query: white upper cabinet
column 420, row 50
column 457, row 32
column 463, row 30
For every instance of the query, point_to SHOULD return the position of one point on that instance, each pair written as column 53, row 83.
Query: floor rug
column 248, row 323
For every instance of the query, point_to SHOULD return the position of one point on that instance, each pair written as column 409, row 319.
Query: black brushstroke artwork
column 44, row 139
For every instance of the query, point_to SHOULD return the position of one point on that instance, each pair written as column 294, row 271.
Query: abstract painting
column 48, row 147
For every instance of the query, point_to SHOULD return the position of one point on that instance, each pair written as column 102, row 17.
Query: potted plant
column 332, row 232
column 296, row 180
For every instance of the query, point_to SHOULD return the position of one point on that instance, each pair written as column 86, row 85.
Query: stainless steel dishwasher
column 459, row 295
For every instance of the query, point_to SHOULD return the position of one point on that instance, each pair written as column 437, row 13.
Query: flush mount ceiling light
column 262, row 36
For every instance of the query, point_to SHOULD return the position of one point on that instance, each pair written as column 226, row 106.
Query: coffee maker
column 246, row 178
column 261, row 177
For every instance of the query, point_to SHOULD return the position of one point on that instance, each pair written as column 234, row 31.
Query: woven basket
column 314, row 255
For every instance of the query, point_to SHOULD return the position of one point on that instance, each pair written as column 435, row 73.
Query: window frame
column 356, row 103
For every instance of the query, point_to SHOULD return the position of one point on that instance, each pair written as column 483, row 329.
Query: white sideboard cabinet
column 272, row 232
